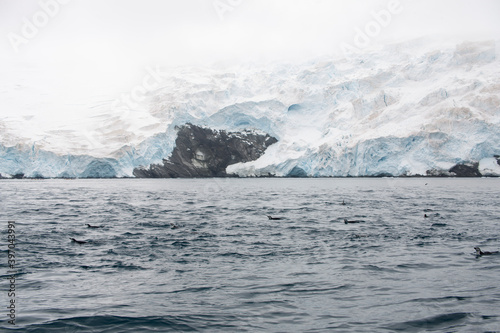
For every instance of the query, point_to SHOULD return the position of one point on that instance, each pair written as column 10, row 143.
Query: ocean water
column 225, row 267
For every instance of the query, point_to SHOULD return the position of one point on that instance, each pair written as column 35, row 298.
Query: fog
column 60, row 57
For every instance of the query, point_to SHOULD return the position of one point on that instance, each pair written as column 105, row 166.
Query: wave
column 109, row 323
column 439, row 322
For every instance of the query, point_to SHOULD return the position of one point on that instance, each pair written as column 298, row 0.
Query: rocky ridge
column 204, row 152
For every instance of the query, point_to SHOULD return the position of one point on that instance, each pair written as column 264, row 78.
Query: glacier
column 404, row 109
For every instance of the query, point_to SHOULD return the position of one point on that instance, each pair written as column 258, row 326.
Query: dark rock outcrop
column 382, row 175
column 459, row 170
column 466, row 170
column 203, row 152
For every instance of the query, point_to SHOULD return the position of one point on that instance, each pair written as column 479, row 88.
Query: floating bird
column 77, row 241
column 343, row 203
column 174, row 226
column 273, row 218
column 92, row 226
column 480, row 253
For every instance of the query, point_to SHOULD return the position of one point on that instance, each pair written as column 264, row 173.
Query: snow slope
column 401, row 110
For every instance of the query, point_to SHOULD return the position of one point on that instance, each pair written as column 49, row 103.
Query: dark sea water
column 227, row 268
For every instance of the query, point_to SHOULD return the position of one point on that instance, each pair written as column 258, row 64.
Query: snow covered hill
column 402, row 110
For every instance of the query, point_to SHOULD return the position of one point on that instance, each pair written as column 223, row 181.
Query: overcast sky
column 90, row 47
column 115, row 32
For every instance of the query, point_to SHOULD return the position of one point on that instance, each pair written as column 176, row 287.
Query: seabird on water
column 77, row 241
column 346, row 221
column 480, row 253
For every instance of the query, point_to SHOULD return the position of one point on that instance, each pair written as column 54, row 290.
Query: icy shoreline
column 404, row 110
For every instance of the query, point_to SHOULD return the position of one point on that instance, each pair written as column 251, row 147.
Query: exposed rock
column 459, row 170
column 438, row 173
column 203, row 152
column 383, row 174
column 466, row 170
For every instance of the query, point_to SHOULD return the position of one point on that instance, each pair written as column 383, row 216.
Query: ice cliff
column 406, row 109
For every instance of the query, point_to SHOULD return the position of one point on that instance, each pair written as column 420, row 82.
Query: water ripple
column 173, row 256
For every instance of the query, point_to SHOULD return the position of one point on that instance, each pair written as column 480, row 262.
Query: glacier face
column 401, row 110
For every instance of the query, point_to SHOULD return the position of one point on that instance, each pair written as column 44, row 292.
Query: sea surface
column 200, row 255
